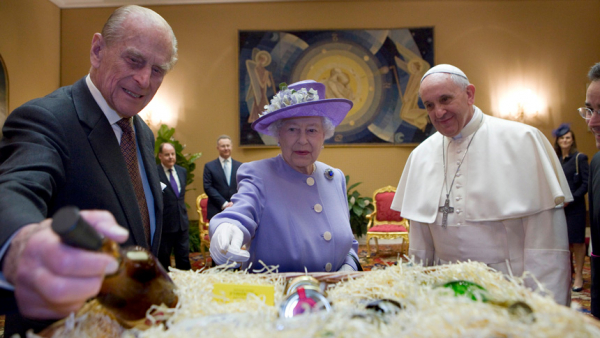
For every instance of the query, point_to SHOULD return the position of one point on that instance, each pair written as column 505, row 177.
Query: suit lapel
column 218, row 170
column 108, row 153
column 167, row 180
column 182, row 178
column 163, row 177
column 145, row 142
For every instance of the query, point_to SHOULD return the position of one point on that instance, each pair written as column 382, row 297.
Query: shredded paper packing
column 428, row 310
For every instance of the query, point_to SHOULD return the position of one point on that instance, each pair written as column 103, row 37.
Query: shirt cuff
column 224, row 205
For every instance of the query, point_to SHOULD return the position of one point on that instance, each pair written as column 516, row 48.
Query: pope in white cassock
column 485, row 189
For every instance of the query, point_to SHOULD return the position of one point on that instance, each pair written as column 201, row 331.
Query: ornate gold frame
column 203, row 227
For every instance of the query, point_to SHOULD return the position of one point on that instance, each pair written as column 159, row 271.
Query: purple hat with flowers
column 301, row 99
column 561, row 130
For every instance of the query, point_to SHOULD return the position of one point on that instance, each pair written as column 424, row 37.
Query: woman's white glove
column 226, row 245
column 346, row 267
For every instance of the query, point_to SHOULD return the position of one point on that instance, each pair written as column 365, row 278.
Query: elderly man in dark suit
column 82, row 145
column 219, row 178
column 176, row 227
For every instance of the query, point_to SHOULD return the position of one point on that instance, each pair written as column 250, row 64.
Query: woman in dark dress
column 576, row 168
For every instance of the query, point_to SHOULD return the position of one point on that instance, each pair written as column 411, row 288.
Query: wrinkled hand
column 346, row 267
column 226, row 245
column 52, row 279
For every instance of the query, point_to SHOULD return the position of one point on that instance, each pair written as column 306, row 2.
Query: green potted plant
column 359, row 207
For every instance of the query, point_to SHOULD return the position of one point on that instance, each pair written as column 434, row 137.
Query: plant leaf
column 354, row 185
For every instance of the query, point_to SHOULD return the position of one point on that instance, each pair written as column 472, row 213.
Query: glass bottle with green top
column 476, row 292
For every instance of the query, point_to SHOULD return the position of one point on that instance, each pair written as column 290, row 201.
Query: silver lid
column 302, row 300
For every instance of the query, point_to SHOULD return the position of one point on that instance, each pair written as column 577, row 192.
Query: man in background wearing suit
column 176, row 233
column 591, row 115
column 219, row 178
column 82, row 145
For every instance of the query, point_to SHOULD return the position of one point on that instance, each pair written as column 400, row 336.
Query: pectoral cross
column 445, row 210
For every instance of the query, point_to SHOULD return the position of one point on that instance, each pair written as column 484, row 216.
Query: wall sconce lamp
column 159, row 111
column 520, row 105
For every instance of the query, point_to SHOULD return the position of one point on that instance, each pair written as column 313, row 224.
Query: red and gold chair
column 201, row 205
column 384, row 222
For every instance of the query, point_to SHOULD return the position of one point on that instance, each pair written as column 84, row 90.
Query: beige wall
column 29, row 45
column 546, row 45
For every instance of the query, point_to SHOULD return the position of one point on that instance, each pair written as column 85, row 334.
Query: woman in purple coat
column 290, row 211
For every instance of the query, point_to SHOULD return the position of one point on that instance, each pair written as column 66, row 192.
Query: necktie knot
column 125, row 124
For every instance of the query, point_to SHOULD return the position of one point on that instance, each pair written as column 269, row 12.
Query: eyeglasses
column 587, row 113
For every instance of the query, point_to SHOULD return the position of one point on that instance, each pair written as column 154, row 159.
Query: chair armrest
column 406, row 224
column 371, row 218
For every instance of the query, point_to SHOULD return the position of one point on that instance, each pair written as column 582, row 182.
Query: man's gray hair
column 223, row 137
column 460, row 81
column 328, row 127
column 594, row 73
column 112, row 30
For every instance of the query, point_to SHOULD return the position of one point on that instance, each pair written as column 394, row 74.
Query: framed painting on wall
column 379, row 70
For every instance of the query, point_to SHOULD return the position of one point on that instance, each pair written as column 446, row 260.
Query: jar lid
column 302, row 300
column 293, row 284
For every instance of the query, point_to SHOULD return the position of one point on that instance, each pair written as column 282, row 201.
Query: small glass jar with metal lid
column 305, row 280
column 303, row 294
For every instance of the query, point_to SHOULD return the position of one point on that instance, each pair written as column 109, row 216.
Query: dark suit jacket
column 215, row 185
column 594, row 205
column 61, row 150
column 175, row 216
column 578, row 189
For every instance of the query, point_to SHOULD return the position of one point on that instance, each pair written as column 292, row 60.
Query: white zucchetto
column 444, row 68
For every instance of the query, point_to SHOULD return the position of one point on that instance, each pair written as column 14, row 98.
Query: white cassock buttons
column 328, row 267
column 327, row 236
column 310, row 181
column 318, row 207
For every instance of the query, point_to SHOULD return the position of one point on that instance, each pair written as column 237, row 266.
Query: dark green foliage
column 359, row 208
column 194, row 236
